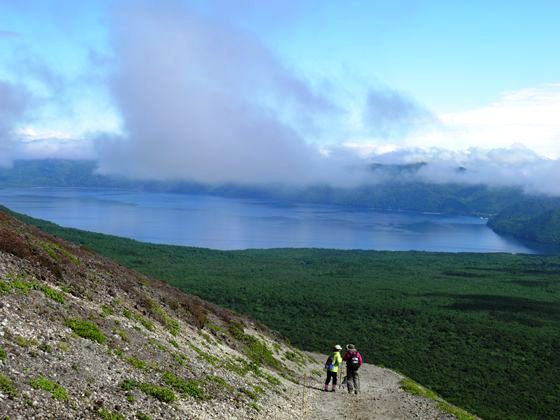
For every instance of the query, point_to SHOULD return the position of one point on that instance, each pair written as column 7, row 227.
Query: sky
column 285, row 91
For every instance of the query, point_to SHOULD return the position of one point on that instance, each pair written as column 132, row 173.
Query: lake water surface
column 226, row 223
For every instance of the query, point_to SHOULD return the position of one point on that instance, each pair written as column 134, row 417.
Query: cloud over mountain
column 206, row 101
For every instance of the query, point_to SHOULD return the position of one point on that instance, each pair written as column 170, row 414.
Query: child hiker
column 332, row 364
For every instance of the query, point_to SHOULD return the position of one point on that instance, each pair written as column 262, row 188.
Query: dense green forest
column 482, row 330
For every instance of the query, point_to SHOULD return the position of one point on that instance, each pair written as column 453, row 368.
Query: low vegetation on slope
column 482, row 330
column 81, row 336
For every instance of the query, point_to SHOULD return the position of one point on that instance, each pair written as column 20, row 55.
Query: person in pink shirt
column 353, row 360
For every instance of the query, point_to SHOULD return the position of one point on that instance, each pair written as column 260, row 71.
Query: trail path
column 380, row 398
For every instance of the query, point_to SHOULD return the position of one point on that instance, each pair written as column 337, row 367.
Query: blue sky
column 368, row 76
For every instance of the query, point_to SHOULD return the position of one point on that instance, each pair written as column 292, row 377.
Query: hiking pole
column 303, row 395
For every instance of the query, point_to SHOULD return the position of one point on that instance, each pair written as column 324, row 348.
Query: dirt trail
column 380, row 398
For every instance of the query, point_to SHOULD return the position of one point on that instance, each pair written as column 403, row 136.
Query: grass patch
column 110, row 415
column 7, row 387
column 415, row 388
column 219, row 381
column 137, row 363
column 169, row 323
column 255, row 349
column 146, row 323
column 190, row 387
column 17, row 283
column 86, row 329
column 273, row 380
column 106, row 310
column 3, row 354
column 207, row 357
column 53, row 250
column 295, row 357
column 49, row 292
column 159, row 392
column 121, row 334
column 44, row 383
column 24, row 342
column 456, row 411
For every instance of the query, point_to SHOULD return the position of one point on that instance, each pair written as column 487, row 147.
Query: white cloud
column 530, row 117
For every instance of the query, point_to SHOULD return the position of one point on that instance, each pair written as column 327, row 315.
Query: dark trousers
column 332, row 375
column 353, row 380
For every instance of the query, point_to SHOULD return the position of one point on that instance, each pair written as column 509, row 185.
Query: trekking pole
column 303, row 395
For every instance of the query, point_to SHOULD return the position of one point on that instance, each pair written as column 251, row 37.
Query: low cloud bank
column 514, row 166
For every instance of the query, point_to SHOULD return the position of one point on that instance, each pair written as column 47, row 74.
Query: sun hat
column 338, row 347
column 350, row 347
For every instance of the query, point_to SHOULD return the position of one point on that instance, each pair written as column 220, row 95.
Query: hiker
column 353, row 361
column 332, row 364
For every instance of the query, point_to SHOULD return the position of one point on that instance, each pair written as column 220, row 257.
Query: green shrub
column 86, row 329
column 159, row 392
column 7, row 387
column 5, row 288
column 142, row 416
column 48, row 292
column 44, row 383
column 25, row 286
column 3, row 354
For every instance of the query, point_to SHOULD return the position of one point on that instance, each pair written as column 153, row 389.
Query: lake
column 228, row 223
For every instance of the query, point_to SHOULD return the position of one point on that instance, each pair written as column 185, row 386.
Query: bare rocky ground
column 83, row 338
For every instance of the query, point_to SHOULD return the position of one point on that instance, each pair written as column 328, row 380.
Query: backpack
column 329, row 363
column 354, row 362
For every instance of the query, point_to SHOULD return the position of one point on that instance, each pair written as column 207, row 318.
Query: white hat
column 338, row 347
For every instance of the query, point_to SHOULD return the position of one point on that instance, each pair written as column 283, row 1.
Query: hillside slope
column 537, row 220
column 81, row 337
